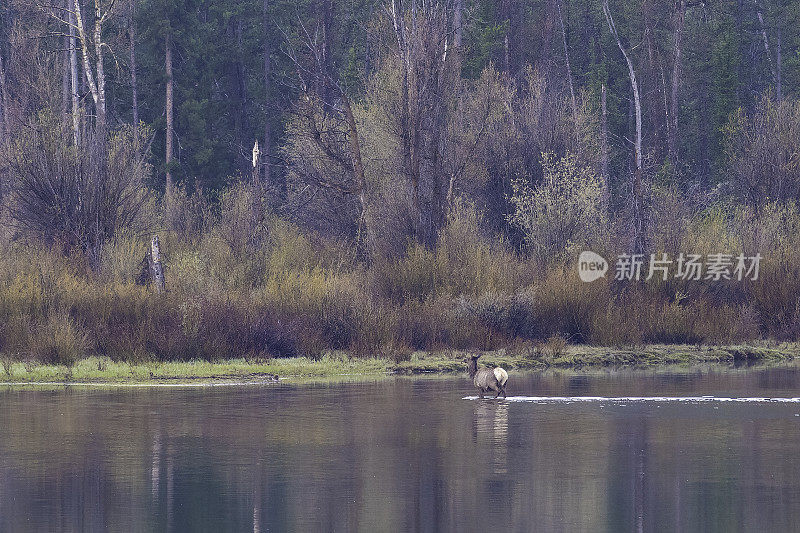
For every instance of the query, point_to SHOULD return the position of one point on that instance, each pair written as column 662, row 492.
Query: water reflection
column 155, row 471
column 491, row 432
column 257, row 498
column 405, row 455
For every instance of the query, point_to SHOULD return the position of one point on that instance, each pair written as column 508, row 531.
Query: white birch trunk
column 73, row 69
column 638, row 220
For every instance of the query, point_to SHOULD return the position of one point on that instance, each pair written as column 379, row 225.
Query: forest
column 382, row 176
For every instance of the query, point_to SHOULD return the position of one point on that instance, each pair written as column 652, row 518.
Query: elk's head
column 472, row 364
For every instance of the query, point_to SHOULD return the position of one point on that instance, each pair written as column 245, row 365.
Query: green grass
column 340, row 365
column 103, row 370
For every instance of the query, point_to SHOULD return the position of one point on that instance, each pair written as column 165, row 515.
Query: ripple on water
column 640, row 399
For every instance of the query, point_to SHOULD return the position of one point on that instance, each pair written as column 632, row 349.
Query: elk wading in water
column 486, row 379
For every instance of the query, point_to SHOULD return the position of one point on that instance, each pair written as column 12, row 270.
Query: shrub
column 242, row 219
column 762, row 150
column 298, row 294
column 187, row 214
column 554, row 346
column 465, row 262
column 564, row 211
column 58, row 341
column 671, row 323
column 77, row 197
column 121, row 259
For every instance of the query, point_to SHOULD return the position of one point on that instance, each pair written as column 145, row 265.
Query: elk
column 486, row 379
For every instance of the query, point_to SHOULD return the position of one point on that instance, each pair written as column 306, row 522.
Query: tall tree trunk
column 407, row 118
column 458, row 26
column 355, row 156
column 437, row 136
column 604, row 145
column 238, row 76
column 778, row 62
column 241, row 72
column 765, row 40
column 101, row 77
column 267, row 95
column 666, row 95
column 506, row 44
column 638, row 219
column 134, row 88
column 323, row 13
column 257, row 209
column 96, row 85
column 74, row 87
column 672, row 130
column 546, row 51
column 65, row 107
column 4, row 130
column 169, row 104
column 634, row 87
column 742, row 49
column 4, row 126
column 569, row 75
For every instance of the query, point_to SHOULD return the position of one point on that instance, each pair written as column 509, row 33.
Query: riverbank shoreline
column 101, row 370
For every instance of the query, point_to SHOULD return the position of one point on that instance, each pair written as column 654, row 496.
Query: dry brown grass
column 294, row 295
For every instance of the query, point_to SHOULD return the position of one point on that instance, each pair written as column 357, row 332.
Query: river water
column 611, row 451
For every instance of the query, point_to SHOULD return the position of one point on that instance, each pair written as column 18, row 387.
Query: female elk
column 486, row 379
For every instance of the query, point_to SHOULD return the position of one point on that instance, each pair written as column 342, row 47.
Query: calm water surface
column 406, row 455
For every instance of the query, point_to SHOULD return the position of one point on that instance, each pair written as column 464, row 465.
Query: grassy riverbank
column 297, row 295
column 104, row 370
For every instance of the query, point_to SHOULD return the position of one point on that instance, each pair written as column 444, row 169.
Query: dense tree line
column 426, row 173
column 648, row 86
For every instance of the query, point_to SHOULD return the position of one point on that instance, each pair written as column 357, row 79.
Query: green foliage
column 484, row 40
column 725, row 67
column 465, row 262
column 562, row 213
column 58, row 340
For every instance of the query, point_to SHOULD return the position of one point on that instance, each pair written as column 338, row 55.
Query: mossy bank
column 340, row 365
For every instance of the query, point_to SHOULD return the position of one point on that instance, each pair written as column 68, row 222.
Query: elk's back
column 484, row 377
